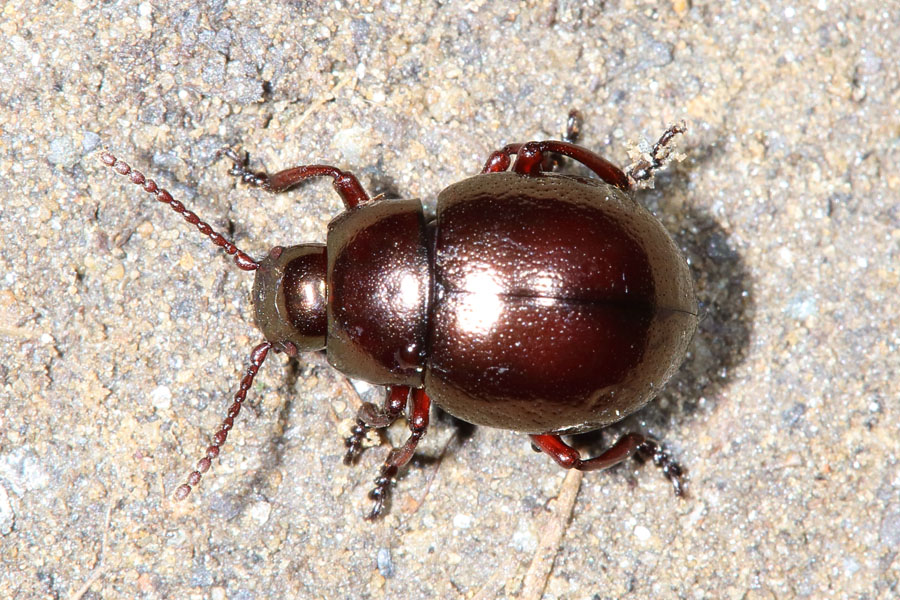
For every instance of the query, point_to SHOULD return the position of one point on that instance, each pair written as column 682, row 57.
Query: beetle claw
column 354, row 442
column 674, row 472
column 381, row 492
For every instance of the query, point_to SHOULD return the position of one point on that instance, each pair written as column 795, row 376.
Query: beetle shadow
column 723, row 287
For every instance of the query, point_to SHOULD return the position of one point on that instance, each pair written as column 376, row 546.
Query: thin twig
column 552, row 532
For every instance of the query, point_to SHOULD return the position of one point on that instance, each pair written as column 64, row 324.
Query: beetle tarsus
column 398, row 457
column 240, row 168
column 652, row 450
column 574, row 122
column 354, row 442
column 643, row 169
column 370, row 417
column 382, row 491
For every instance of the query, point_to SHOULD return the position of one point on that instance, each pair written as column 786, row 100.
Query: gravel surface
column 123, row 333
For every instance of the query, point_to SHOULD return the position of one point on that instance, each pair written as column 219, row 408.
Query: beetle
column 543, row 303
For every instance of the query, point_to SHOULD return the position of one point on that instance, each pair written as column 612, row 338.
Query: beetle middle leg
column 346, row 184
column 418, row 425
column 574, row 123
column 634, row 445
column 531, row 155
column 371, row 417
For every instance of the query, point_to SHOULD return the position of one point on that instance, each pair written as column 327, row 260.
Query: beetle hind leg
column 634, row 445
column 418, row 425
column 643, row 169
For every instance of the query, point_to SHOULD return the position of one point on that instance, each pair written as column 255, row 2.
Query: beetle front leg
column 346, row 184
column 418, row 425
column 630, row 444
column 371, row 417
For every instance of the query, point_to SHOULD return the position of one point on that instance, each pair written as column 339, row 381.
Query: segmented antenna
column 241, row 259
column 257, row 357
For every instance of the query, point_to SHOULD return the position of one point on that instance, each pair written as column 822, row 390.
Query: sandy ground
column 123, row 333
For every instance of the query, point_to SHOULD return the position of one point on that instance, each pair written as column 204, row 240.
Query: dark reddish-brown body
column 541, row 304
column 537, row 302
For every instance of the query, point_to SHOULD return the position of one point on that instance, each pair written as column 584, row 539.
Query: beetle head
column 289, row 297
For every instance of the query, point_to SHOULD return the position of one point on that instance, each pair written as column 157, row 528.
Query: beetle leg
column 643, row 169
column 532, row 153
column 370, row 417
column 530, row 159
column 499, row 160
column 554, row 162
column 346, row 184
column 418, row 425
column 631, row 444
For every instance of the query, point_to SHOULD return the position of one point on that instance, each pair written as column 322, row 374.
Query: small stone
column 642, row 533
column 161, row 398
column 385, row 562
column 90, row 141
column 462, row 521
column 260, row 512
column 62, row 153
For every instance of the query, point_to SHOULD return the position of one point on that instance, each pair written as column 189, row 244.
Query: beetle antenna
column 241, row 259
column 257, row 357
